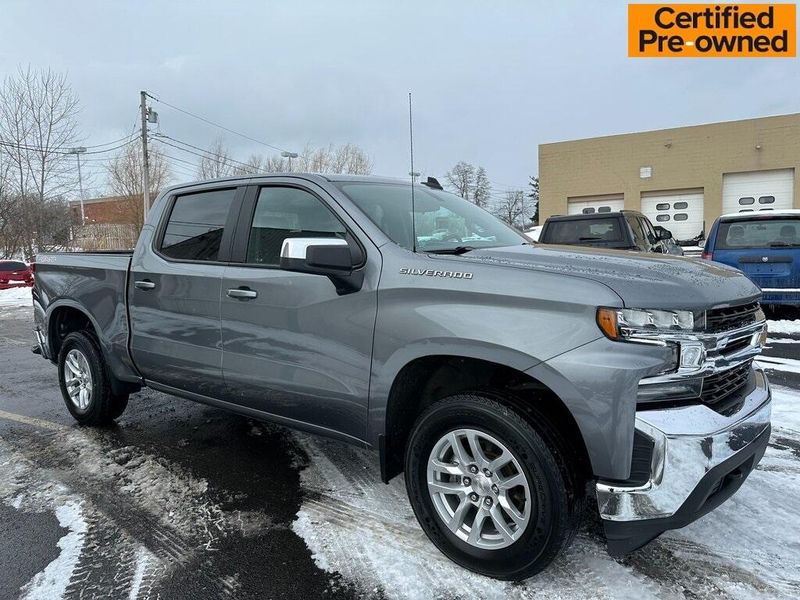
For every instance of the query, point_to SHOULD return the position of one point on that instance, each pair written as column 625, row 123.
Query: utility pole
column 145, row 160
column 77, row 152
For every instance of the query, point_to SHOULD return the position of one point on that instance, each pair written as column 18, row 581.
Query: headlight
column 622, row 323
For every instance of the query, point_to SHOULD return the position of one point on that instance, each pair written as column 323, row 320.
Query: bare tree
column 125, row 180
column 252, row 166
column 461, row 179
column 347, row 158
column 510, row 207
column 38, row 125
column 483, row 189
column 216, row 162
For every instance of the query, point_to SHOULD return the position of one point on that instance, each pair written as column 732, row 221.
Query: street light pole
column 290, row 156
column 77, row 152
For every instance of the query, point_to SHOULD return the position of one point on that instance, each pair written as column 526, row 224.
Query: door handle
column 242, row 293
column 144, row 284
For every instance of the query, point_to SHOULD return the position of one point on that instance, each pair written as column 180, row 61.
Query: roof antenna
column 413, row 175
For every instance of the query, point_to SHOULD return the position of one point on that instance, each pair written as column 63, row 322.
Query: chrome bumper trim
column 779, row 290
column 689, row 442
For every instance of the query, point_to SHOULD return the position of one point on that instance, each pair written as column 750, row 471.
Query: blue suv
column 766, row 246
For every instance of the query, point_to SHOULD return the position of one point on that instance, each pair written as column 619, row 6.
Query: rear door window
column 759, row 233
column 196, row 224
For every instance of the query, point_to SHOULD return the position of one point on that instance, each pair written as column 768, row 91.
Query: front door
column 292, row 346
column 174, row 292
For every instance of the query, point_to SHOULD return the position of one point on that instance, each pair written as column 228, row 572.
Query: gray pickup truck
column 511, row 382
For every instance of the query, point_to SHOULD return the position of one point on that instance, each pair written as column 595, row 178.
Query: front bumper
column 699, row 459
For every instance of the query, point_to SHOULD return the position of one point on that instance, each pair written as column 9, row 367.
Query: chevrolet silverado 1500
column 510, row 382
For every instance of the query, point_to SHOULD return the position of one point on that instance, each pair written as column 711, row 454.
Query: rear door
column 292, row 346
column 766, row 248
column 174, row 292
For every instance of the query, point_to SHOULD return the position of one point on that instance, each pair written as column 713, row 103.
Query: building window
column 662, row 206
column 746, row 201
column 604, row 209
column 588, row 211
column 662, row 218
column 680, row 205
column 766, row 200
column 645, row 172
column 681, row 217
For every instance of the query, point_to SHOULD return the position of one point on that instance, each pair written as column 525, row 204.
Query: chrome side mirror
column 331, row 256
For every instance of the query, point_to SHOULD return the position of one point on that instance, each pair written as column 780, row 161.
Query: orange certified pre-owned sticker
column 698, row 30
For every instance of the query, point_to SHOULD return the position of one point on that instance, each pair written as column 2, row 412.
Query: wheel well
column 64, row 321
column 426, row 380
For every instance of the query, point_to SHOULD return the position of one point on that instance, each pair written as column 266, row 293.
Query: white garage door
column 756, row 191
column 588, row 205
column 679, row 211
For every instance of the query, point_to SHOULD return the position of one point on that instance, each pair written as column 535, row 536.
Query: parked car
column 622, row 230
column 14, row 273
column 505, row 379
column 766, row 246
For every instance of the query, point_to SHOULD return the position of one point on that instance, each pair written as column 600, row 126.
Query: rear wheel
column 487, row 489
column 84, row 382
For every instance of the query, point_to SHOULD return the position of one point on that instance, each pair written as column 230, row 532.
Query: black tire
column 103, row 405
column 557, row 492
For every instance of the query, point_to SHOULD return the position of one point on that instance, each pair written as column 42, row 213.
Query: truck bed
column 95, row 282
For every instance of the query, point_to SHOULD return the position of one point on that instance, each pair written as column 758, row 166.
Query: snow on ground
column 784, row 326
column 52, row 582
column 747, row 548
column 159, row 497
column 15, row 297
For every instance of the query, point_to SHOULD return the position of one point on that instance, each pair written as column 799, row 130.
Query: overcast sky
column 491, row 80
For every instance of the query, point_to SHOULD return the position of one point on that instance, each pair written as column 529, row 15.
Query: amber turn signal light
column 607, row 321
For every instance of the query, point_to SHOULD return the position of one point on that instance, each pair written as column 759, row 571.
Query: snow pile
column 15, row 297
column 784, row 326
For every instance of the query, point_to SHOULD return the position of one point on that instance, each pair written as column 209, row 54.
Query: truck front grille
column 722, row 387
column 731, row 317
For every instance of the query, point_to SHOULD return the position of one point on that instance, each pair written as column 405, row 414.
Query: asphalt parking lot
column 179, row 500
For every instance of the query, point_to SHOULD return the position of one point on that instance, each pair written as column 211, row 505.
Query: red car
column 14, row 273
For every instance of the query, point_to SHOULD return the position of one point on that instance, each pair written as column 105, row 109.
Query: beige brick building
column 681, row 178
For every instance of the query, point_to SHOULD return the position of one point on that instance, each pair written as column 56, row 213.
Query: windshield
column 443, row 221
column 761, row 232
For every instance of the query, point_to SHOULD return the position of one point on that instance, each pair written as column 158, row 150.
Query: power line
column 209, row 122
column 30, row 148
column 206, row 154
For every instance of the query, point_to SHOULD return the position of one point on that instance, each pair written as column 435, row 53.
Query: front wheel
column 84, row 382
column 487, row 489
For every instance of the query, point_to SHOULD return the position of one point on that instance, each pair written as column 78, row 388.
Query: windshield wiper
column 457, row 250
column 779, row 243
column 589, row 239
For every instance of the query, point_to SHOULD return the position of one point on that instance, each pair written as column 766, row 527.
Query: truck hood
column 641, row 280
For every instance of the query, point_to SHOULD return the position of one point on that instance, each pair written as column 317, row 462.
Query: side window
column 195, row 225
column 638, row 234
column 648, row 229
column 286, row 212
